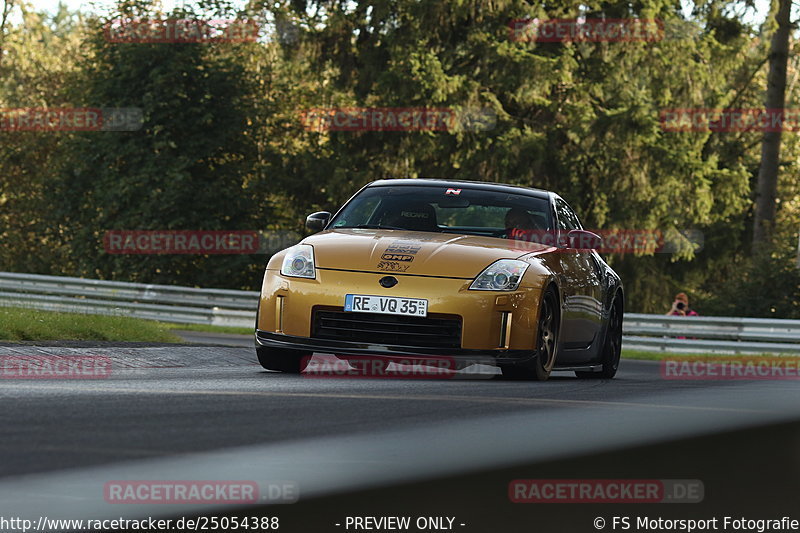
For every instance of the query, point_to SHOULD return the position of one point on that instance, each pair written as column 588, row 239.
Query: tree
column 767, row 185
column 187, row 168
column 38, row 64
column 5, row 12
column 578, row 118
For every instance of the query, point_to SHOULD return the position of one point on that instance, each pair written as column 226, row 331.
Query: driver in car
column 520, row 225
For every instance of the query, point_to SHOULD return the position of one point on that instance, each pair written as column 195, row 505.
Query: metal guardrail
column 181, row 305
column 703, row 334
column 220, row 307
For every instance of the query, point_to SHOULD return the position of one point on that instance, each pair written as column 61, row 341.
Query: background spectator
column 680, row 306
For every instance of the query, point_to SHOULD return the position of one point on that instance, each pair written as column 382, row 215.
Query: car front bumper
column 502, row 325
column 309, row 345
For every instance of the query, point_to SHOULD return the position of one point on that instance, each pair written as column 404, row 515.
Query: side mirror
column 317, row 221
column 584, row 240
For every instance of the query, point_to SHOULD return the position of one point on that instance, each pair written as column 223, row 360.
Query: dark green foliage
column 223, row 145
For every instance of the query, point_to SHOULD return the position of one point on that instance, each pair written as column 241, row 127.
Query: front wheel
column 612, row 346
column 288, row 361
column 546, row 346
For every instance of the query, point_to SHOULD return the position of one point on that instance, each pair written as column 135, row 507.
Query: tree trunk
column 8, row 5
column 767, row 186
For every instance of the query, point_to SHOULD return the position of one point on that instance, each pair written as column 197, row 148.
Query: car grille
column 376, row 328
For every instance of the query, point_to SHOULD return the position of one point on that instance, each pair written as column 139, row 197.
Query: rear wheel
column 541, row 366
column 288, row 361
column 612, row 346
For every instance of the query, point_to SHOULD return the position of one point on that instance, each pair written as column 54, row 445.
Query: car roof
column 479, row 185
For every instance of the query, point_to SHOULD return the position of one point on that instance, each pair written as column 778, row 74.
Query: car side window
column 567, row 219
column 361, row 212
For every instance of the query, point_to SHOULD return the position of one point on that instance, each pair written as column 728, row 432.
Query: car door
column 581, row 285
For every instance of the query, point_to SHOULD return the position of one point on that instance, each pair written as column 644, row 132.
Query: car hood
column 415, row 253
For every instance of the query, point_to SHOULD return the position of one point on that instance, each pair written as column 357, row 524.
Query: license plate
column 387, row 305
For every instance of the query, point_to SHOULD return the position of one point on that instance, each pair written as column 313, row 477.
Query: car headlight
column 502, row 275
column 299, row 262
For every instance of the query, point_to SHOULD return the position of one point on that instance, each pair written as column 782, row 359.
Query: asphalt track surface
column 210, row 412
column 173, row 400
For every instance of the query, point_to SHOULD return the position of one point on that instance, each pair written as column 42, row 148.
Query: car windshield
column 444, row 209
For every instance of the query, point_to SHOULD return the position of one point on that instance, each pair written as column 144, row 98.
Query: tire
column 547, row 343
column 612, row 346
column 287, row 361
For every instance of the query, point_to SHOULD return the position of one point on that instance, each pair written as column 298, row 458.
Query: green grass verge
column 653, row 356
column 211, row 329
column 659, row 356
column 18, row 324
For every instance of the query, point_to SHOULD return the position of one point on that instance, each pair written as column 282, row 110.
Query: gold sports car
column 464, row 270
